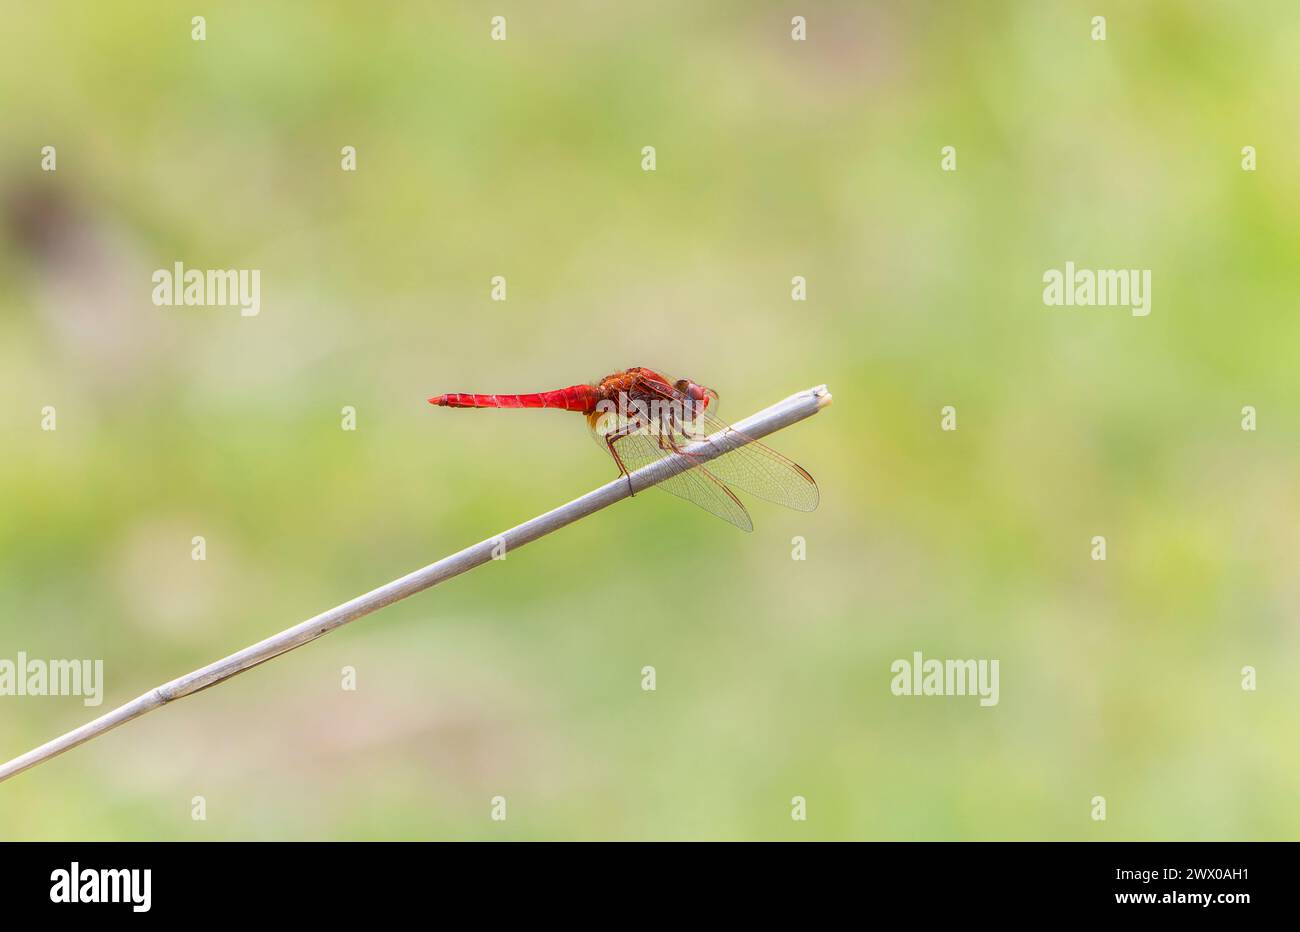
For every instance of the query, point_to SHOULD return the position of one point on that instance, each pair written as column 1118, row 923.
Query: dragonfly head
column 692, row 390
column 698, row 398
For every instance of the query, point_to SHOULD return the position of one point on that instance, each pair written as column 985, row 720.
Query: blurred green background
column 775, row 158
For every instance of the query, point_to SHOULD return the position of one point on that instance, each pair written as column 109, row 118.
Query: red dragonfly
column 641, row 416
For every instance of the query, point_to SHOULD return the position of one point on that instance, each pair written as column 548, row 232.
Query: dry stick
column 783, row 414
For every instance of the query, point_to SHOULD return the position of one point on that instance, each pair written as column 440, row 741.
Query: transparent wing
column 696, row 485
column 758, row 469
column 754, row 468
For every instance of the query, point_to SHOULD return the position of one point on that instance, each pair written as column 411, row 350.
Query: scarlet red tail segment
column 580, row 398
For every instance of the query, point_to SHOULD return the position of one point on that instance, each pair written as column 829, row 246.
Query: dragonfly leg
column 676, row 422
column 610, row 439
column 667, row 441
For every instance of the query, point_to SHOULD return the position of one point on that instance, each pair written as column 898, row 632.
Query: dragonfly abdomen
column 574, row 398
